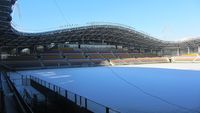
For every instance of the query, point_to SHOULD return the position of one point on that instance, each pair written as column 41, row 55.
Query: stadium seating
column 122, row 55
column 21, row 58
column 74, row 55
column 23, row 64
column 187, row 58
column 79, row 57
column 139, row 60
column 108, row 55
column 55, row 63
column 94, row 55
column 51, row 57
column 80, row 62
column 100, row 62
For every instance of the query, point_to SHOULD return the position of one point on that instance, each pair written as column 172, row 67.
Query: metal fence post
column 66, row 95
column 85, row 103
column 75, row 99
column 49, row 85
column 107, row 110
column 54, row 87
column 80, row 101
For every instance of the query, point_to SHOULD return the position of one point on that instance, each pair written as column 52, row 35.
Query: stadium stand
column 94, row 55
column 91, row 45
column 122, row 55
column 108, row 55
column 143, row 60
column 187, row 58
column 74, row 55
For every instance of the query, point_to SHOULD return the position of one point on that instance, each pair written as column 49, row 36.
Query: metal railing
column 77, row 99
column 22, row 105
column 80, row 101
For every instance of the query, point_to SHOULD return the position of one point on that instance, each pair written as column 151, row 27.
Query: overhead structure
column 105, row 32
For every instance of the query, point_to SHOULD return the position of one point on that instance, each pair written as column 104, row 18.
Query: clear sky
column 163, row 19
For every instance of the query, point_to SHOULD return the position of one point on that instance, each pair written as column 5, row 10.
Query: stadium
column 95, row 68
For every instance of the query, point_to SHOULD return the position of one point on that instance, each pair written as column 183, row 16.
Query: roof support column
column 35, row 48
column 83, row 41
column 17, row 51
column 140, row 50
column 161, row 52
column 188, row 50
column 178, row 51
column 102, row 41
column 151, row 50
column 0, row 55
column 198, row 49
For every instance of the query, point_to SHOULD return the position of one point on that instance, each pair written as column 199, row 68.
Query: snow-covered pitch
column 147, row 88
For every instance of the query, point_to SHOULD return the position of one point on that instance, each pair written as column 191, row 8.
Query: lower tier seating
column 55, row 63
column 80, row 62
column 23, row 64
column 186, row 59
column 139, row 60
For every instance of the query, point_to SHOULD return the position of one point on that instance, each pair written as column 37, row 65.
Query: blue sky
column 163, row 19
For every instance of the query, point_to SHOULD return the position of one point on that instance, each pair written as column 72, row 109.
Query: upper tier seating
column 51, row 57
column 69, row 50
column 74, row 55
column 51, row 51
column 21, row 58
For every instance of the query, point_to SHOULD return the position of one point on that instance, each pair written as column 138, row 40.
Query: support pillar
column 17, row 51
column 116, row 47
column 178, row 51
column 151, row 51
column 188, row 50
column 161, row 52
column 0, row 54
column 198, row 50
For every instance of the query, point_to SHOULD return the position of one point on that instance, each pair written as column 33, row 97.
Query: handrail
column 24, row 108
column 107, row 109
column 57, row 89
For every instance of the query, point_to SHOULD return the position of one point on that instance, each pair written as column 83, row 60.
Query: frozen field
column 149, row 88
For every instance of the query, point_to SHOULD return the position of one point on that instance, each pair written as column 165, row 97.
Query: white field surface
column 147, row 88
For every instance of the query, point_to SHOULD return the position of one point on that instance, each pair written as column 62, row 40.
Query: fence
column 77, row 99
column 1, row 96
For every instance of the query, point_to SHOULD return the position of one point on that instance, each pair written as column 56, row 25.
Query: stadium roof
column 113, row 34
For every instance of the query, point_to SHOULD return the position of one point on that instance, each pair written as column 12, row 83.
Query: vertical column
column 102, row 41
column 1, row 96
column 83, row 41
column 151, row 50
column 17, row 51
column 178, row 51
column 198, row 49
column 161, row 52
column 140, row 50
column 35, row 49
column 188, row 50
column 0, row 54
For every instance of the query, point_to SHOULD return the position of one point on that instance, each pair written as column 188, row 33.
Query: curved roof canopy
column 112, row 34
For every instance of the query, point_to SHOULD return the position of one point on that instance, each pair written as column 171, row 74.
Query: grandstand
column 100, row 44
